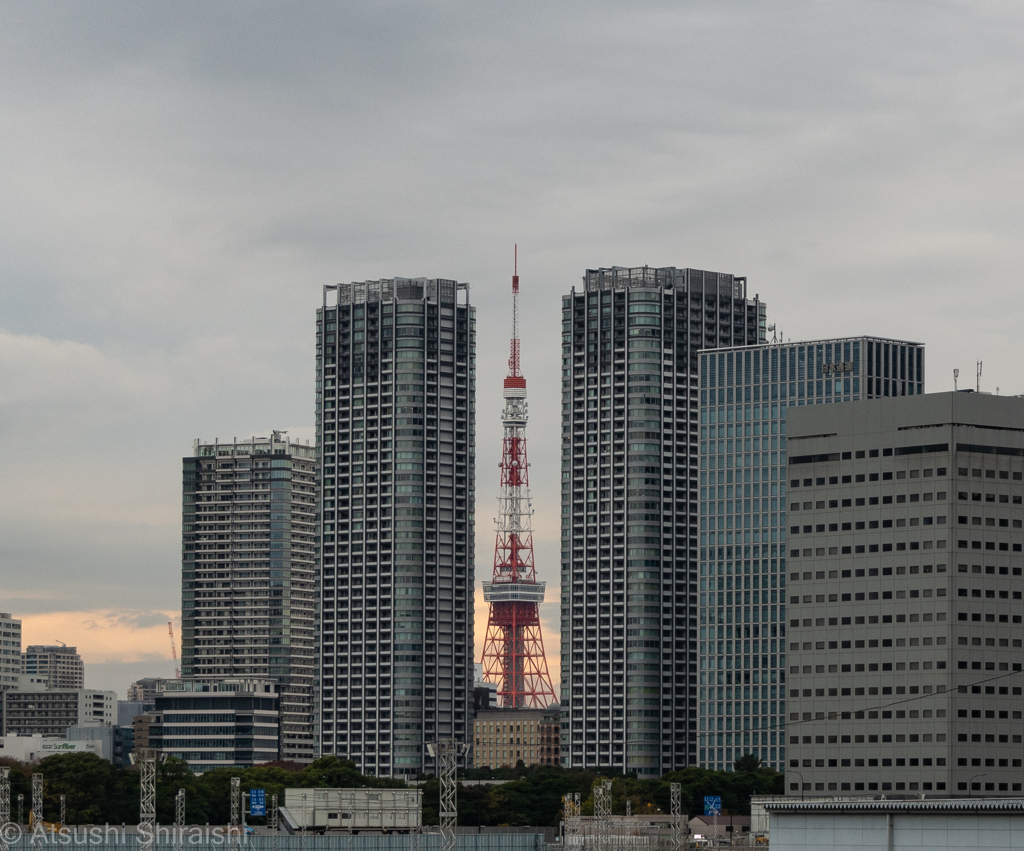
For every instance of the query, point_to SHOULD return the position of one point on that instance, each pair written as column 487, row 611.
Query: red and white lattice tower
column 514, row 647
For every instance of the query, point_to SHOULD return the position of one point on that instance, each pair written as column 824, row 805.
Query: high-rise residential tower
column 630, row 405
column 906, row 575
column 248, row 547
column 395, row 420
column 744, row 397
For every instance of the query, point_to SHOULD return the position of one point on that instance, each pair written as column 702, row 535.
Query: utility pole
column 447, row 753
column 677, row 814
column 37, row 798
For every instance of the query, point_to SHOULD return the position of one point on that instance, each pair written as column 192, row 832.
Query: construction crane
column 174, row 650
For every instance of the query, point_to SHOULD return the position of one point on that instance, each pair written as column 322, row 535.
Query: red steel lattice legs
column 514, row 656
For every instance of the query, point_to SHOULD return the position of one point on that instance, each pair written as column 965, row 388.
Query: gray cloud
column 179, row 181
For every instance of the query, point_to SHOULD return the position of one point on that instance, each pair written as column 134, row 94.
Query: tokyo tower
column 514, row 647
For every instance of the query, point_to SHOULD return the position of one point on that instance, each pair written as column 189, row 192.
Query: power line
column 911, row 699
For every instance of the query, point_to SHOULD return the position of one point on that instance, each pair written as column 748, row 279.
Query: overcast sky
column 177, row 182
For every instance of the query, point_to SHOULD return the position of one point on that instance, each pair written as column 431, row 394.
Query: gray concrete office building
column 395, row 419
column 745, row 394
column 630, row 405
column 905, row 597
column 247, row 605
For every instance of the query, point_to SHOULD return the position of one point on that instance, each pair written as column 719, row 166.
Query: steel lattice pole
column 5, row 805
column 236, row 805
column 63, row 813
column 179, row 819
column 37, row 798
column 272, row 820
column 147, row 799
column 606, row 821
column 677, row 814
column 236, row 799
column 21, row 807
column 449, row 795
column 576, row 817
column 447, row 752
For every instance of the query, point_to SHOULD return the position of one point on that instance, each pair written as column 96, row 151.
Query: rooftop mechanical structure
column 513, row 654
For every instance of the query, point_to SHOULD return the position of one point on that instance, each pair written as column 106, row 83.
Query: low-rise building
column 503, row 737
column 227, row 724
column 485, row 694
column 851, row 824
column 35, row 748
column 733, row 828
column 353, row 810
column 51, row 712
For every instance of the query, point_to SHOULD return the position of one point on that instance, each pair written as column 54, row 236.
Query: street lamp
column 970, row 783
column 798, row 774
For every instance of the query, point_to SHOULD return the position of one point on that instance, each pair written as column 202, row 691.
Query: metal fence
column 169, row 839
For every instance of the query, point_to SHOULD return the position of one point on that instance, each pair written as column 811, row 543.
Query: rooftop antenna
column 978, row 385
column 956, row 375
column 772, row 329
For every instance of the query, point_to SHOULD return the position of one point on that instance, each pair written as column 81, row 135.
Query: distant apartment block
column 145, row 690
column 55, row 666
column 10, row 652
column 51, row 712
column 248, row 515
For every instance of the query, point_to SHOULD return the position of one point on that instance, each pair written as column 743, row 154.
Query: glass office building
column 744, row 395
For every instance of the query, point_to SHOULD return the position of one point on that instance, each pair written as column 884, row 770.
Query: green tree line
column 97, row 793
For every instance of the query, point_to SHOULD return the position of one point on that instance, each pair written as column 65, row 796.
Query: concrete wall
column 868, row 831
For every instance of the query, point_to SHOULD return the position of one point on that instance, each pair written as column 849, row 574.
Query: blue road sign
column 712, row 805
column 257, row 802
